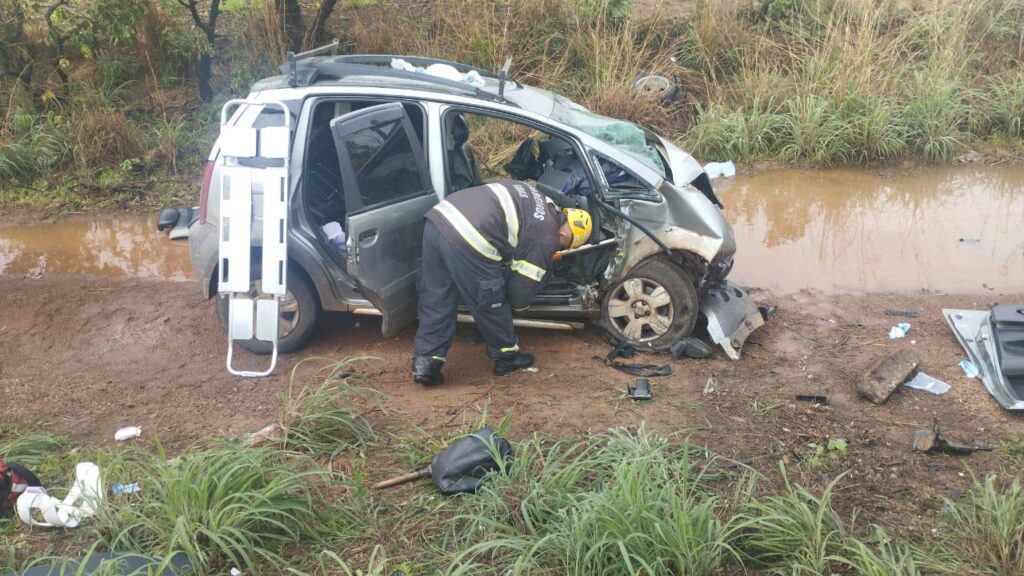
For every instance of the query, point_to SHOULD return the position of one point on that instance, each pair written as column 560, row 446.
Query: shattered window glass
column 624, row 135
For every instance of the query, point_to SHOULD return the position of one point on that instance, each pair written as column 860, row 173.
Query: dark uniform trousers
column 447, row 272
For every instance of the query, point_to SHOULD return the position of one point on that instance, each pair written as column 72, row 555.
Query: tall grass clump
column 986, row 526
column 41, row 453
column 624, row 504
column 221, row 507
column 318, row 417
column 30, row 144
column 794, row 533
column 857, row 81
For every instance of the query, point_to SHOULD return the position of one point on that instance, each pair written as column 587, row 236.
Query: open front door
column 387, row 191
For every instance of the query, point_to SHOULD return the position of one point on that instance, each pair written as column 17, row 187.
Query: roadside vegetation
column 622, row 502
column 115, row 102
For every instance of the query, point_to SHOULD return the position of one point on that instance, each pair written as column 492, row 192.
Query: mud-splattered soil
column 84, row 355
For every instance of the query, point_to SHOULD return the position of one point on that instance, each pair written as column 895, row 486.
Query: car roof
column 374, row 70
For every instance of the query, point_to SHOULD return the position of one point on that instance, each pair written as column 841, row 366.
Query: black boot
column 427, row 370
column 507, row 364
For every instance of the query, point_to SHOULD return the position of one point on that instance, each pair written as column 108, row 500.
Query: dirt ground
column 84, row 355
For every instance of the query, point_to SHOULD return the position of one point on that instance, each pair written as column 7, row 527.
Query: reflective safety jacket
column 506, row 221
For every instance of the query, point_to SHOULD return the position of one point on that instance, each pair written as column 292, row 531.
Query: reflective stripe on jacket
column 507, row 221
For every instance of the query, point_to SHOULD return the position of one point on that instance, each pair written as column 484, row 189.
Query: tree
column 208, row 27
column 291, row 22
column 14, row 52
column 314, row 34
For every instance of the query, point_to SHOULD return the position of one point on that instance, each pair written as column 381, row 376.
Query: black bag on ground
column 461, row 466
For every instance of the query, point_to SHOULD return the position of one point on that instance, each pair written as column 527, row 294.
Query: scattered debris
column 531, row 369
column 119, row 489
column 716, row 169
column 887, row 375
column 709, row 386
column 902, row 313
column 691, row 347
column 79, row 504
column 641, row 391
column 460, row 467
column 14, row 480
column 766, row 312
column 899, row 331
column 931, row 441
column 823, row 400
column 970, row 157
column 970, row 370
column 626, row 350
column 267, row 434
column 127, row 433
column 658, row 88
column 970, row 241
column 446, row 71
column 994, row 340
column 927, row 383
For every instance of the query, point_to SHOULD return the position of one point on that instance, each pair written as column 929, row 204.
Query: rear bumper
column 732, row 315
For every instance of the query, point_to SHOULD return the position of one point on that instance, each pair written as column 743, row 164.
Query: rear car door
column 387, row 191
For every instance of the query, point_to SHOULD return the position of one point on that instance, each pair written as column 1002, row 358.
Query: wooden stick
column 402, row 479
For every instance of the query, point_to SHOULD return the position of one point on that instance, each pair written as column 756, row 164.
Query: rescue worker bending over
column 493, row 245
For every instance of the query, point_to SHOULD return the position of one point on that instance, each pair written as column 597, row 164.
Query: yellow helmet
column 579, row 224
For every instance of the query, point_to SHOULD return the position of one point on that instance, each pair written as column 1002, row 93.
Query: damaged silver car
column 372, row 146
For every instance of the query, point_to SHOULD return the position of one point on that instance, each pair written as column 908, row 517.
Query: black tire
column 300, row 327
column 663, row 319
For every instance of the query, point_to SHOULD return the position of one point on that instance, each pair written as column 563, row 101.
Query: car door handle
column 367, row 236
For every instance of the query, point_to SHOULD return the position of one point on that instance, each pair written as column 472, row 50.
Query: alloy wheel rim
column 641, row 310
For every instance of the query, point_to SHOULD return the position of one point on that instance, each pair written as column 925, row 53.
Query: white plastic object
column 899, row 331
column 80, row 503
column 716, row 169
column 970, row 370
column 127, row 433
column 927, row 383
column 335, row 235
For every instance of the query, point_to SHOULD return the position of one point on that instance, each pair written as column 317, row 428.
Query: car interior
column 483, row 147
column 479, row 148
column 324, row 195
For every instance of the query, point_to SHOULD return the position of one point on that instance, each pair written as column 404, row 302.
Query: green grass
column 317, row 417
column 221, row 507
column 622, row 502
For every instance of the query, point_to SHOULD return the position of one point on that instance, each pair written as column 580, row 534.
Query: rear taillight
column 204, row 194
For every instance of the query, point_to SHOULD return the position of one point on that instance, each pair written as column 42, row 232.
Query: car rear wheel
column 299, row 311
column 653, row 308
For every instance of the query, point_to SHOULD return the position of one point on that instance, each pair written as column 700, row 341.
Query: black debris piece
column 640, row 391
column 902, row 313
column 812, row 398
column 691, row 347
column 626, row 350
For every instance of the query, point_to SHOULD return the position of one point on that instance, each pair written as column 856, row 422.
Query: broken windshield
column 619, row 133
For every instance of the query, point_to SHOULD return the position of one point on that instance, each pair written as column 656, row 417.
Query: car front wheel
column 653, row 308
column 299, row 311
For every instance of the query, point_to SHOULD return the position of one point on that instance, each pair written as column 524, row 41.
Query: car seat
column 462, row 165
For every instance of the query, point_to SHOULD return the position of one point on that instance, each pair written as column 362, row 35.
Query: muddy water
column 116, row 246
column 952, row 229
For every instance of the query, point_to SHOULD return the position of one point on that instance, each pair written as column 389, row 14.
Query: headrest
column 460, row 130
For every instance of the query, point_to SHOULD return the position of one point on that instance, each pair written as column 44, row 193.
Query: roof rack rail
column 293, row 58
column 308, row 72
